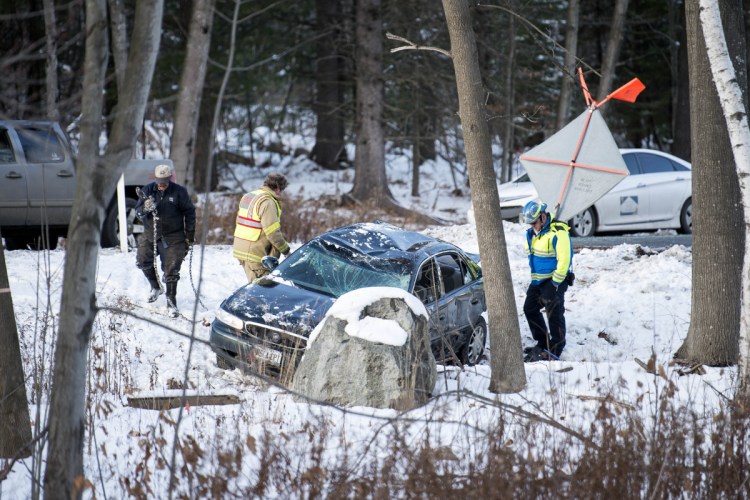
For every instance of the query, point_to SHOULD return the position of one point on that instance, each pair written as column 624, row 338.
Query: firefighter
column 550, row 257
column 258, row 229
column 168, row 216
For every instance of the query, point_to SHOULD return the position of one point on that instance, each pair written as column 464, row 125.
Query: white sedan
column 656, row 195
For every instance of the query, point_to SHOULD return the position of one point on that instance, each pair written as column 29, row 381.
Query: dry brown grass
column 677, row 454
column 301, row 219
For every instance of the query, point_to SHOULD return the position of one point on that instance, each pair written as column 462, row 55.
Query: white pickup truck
column 38, row 186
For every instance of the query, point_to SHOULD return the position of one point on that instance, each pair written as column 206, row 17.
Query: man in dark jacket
column 168, row 216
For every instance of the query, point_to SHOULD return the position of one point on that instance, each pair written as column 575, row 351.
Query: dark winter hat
column 276, row 181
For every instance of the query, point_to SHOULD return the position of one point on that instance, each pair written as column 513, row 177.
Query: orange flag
column 628, row 92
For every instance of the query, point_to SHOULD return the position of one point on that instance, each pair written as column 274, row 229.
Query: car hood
column 279, row 304
column 513, row 191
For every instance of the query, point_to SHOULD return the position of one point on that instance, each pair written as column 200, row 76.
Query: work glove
column 149, row 205
column 549, row 292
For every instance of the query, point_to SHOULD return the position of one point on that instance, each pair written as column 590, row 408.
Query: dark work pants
column 544, row 296
column 171, row 255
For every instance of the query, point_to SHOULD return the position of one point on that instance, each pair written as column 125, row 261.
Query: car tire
column 584, row 223
column 686, row 217
column 111, row 227
column 224, row 363
column 471, row 353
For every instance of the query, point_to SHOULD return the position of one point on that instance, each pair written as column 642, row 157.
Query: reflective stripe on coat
column 257, row 231
column 550, row 253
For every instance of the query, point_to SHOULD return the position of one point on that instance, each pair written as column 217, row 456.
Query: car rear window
column 652, row 164
column 41, row 145
column 6, row 151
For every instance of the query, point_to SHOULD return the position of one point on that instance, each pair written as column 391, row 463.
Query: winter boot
column 172, row 300
column 154, row 282
column 154, row 293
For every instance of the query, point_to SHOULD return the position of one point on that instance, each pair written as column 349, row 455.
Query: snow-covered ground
column 624, row 306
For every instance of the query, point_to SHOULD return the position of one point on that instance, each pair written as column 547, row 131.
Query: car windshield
column 334, row 270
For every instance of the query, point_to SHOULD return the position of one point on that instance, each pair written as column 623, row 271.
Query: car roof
column 383, row 240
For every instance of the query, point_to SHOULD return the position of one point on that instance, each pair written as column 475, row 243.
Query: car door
column 428, row 288
column 626, row 203
column 13, row 183
column 667, row 186
column 51, row 175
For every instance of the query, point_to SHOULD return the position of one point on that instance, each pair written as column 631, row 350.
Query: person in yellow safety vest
column 550, row 258
column 258, row 228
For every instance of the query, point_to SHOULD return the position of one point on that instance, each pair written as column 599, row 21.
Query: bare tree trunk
column 506, row 163
column 370, row 181
column 718, row 229
column 15, row 425
column 612, row 53
column 329, row 150
column 50, row 34
column 191, row 93
column 64, row 471
column 203, row 162
column 681, row 145
column 118, row 29
column 96, row 179
column 735, row 113
column 505, row 338
column 569, row 62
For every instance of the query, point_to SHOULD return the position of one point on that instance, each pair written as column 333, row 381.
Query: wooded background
column 295, row 65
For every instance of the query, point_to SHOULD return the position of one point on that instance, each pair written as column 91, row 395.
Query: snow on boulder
column 371, row 349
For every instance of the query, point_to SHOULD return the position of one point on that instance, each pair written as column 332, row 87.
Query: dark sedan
column 264, row 325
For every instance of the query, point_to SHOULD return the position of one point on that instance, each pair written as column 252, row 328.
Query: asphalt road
column 651, row 240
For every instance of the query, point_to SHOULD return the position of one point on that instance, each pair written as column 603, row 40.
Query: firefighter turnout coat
column 258, row 228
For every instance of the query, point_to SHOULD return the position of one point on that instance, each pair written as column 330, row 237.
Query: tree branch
column 413, row 46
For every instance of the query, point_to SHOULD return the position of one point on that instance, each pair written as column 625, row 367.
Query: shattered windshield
column 335, row 270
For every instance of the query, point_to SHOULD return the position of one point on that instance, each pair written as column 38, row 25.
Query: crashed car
column 264, row 325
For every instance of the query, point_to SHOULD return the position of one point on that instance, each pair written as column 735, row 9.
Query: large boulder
column 372, row 349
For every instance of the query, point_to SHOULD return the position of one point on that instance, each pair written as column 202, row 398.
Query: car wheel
column 686, row 217
column 584, row 224
column 223, row 362
column 111, row 227
column 472, row 352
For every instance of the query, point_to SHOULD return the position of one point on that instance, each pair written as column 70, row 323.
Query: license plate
column 268, row 355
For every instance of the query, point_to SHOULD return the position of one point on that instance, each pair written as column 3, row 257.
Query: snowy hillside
column 624, row 306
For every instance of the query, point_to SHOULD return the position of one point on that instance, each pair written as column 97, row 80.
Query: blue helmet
column 531, row 211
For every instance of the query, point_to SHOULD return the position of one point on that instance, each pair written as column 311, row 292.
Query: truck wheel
column 111, row 227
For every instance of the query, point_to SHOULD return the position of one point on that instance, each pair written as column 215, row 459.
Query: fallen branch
column 604, row 399
column 178, row 401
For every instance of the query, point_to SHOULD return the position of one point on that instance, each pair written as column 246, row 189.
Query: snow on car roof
column 378, row 237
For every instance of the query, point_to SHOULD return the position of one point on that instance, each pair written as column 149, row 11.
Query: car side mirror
column 269, row 262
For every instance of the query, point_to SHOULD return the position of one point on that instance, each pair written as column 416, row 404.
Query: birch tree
column 97, row 178
column 506, row 361
column 735, row 113
column 718, row 228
